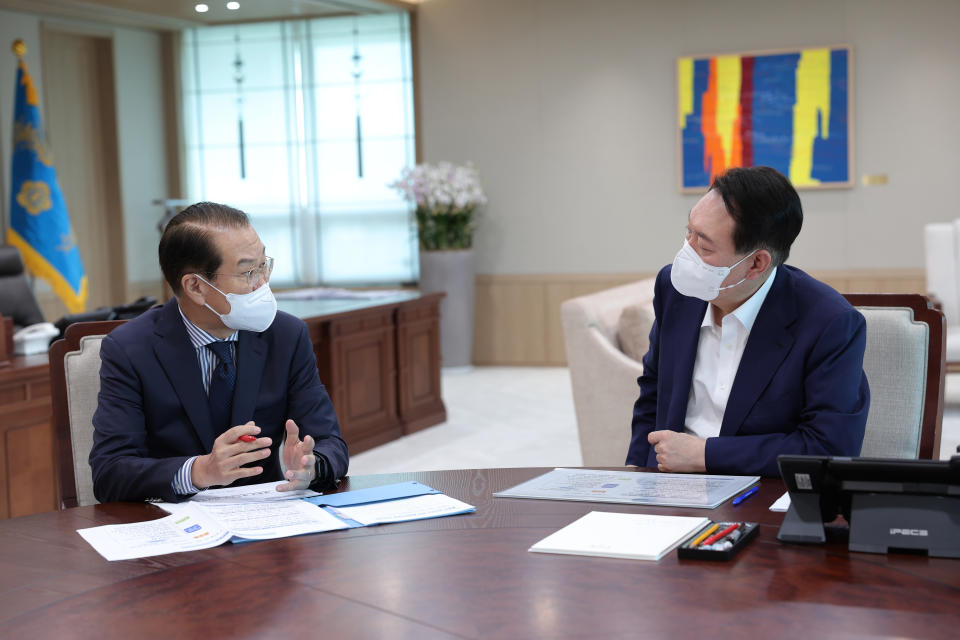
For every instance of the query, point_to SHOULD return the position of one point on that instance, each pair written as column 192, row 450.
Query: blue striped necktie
column 221, row 387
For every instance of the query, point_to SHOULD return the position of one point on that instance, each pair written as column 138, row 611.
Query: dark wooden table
column 467, row 576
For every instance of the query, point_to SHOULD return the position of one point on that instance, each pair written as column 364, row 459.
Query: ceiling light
column 201, row 8
column 233, row 6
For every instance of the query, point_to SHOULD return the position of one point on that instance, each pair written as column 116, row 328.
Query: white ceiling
column 177, row 14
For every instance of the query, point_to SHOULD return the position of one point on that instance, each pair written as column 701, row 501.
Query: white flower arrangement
column 446, row 196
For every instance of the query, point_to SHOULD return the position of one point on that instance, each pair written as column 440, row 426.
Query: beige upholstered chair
column 603, row 377
column 941, row 242
column 904, row 362
column 75, row 378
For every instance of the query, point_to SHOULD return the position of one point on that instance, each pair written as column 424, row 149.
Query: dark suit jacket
column 800, row 387
column 153, row 414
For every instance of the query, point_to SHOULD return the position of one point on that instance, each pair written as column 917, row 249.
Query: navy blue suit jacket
column 153, row 413
column 800, row 387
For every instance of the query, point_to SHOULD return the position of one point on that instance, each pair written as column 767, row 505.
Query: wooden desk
column 466, row 576
column 379, row 359
column 27, row 479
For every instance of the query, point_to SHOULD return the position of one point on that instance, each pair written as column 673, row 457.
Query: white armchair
column 942, row 243
column 603, row 377
column 942, row 246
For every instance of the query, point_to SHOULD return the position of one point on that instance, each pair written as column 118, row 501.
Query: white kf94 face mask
column 693, row 277
column 252, row 311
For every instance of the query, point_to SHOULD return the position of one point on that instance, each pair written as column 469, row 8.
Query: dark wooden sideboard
column 380, row 362
column 379, row 359
column 27, row 478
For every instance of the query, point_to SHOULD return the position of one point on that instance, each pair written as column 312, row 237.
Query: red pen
column 248, row 438
column 721, row 535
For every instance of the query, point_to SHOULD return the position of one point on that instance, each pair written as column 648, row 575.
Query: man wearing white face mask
column 216, row 387
column 749, row 358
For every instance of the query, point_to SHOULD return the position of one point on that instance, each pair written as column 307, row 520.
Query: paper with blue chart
column 631, row 487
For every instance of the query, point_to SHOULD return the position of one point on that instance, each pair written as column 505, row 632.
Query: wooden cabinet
column 27, row 475
column 418, row 355
column 380, row 362
column 356, row 356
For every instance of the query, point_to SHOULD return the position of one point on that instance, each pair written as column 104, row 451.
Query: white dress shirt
column 718, row 357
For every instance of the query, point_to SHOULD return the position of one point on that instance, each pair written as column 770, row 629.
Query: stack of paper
column 621, row 535
column 260, row 512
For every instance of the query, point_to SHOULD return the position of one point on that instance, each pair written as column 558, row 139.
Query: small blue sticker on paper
column 193, row 528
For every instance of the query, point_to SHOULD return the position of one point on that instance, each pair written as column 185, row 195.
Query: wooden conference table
column 467, row 576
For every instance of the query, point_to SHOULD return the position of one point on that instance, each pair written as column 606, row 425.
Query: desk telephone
column 34, row 339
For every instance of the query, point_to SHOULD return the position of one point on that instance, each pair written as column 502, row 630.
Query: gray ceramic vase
column 452, row 272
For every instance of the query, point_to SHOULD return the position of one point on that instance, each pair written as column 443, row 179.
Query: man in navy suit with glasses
column 216, row 387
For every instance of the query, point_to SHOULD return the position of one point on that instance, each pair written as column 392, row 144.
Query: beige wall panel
column 510, row 321
column 556, row 293
column 875, row 280
column 82, row 129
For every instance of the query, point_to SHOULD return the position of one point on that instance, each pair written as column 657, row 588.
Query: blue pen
column 746, row 494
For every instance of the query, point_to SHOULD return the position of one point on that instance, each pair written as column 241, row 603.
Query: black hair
column 187, row 246
column 765, row 209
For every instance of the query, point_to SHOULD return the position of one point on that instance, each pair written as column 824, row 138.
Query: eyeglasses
column 254, row 275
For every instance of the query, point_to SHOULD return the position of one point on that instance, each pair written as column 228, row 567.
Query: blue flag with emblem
column 39, row 225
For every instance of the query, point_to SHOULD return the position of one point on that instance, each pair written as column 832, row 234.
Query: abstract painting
column 788, row 110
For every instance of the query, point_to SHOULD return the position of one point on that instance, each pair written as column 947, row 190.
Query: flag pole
column 19, row 49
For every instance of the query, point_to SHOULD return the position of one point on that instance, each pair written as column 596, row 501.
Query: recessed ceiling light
column 201, row 8
column 233, row 6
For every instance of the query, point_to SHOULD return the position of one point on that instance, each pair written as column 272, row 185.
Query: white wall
column 568, row 109
column 140, row 127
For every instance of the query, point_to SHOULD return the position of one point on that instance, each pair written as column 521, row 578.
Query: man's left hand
column 678, row 452
column 298, row 460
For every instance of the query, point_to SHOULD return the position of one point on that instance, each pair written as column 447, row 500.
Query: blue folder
column 385, row 493
column 373, row 494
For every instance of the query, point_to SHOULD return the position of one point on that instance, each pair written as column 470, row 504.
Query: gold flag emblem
column 34, row 196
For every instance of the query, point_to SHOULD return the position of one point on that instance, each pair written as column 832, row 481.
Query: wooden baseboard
column 517, row 317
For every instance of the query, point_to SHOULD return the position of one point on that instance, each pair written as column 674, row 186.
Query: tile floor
column 513, row 417
column 496, row 417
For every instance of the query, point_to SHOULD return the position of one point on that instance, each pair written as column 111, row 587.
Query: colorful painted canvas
column 788, row 110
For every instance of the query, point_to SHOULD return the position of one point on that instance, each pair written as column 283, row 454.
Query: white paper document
column 186, row 530
column 192, row 526
column 260, row 512
column 417, row 508
column 621, row 535
column 264, row 491
column 276, row 519
column 626, row 487
column 782, row 503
